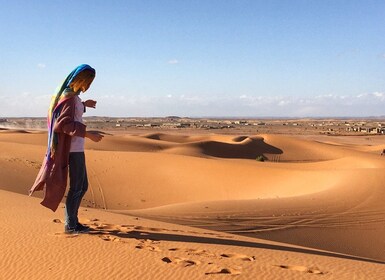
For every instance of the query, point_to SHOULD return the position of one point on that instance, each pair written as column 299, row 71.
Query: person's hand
column 90, row 103
column 94, row 136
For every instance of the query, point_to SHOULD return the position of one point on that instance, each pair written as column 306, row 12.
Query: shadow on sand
column 155, row 236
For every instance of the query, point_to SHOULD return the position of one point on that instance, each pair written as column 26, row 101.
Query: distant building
column 372, row 130
column 151, row 125
column 183, row 125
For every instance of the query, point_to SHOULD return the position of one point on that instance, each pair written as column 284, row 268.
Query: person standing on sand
column 65, row 152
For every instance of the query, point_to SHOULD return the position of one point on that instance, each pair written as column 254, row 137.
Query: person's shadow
column 156, row 236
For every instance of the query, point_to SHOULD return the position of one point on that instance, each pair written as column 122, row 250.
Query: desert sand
column 200, row 206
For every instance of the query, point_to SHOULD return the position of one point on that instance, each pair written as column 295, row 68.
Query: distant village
column 263, row 126
column 284, row 126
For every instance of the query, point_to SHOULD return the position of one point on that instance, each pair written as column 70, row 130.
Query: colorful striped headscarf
column 62, row 93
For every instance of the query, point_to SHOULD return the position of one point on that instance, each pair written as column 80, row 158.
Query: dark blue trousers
column 78, row 187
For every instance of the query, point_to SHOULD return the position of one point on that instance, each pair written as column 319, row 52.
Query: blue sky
column 284, row 58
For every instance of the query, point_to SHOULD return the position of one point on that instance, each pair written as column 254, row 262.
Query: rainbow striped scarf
column 62, row 93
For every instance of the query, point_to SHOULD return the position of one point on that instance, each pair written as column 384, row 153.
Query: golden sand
column 171, row 206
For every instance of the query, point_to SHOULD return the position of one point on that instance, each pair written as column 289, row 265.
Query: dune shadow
column 13, row 130
column 241, row 147
column 153, row 136
column 158, row 236
column 249, row 148
column 171, row 138
column 100, row 132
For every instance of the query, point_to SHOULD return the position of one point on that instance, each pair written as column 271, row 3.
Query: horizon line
column 216, row 117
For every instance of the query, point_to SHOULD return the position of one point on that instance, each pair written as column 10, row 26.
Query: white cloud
column 29, row 104
column 173, row 61
column 283, row 103
column 41, row 65
column 371, row 97
column 25, row 104
column 378, row 94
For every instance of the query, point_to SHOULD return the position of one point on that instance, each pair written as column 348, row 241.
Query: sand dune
column 127, row 247
column 323, row 193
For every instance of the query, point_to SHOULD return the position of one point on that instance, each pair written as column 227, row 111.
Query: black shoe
column 79, row 228
column 70, row 230
column 82, row 228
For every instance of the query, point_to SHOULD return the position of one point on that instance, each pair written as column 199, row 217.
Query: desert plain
column 201, row 204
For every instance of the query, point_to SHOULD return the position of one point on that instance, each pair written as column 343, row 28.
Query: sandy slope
column 125, row 247
column 322, row 193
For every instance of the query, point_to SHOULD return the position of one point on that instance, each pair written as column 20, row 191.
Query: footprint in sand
column 109, row 238
column 181, row 261
column 149, row 229
column 65, row 235
column 232, row 271
column 239, row 256
column 128, row 226
column 101, row 226
column 312, row 270
column 199, row 252
column 174, row 249
column 149, row 245
column 176, row 230
column 98, row 228
column 194, row 252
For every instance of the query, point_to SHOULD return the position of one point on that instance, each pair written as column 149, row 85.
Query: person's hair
column 85, row 75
